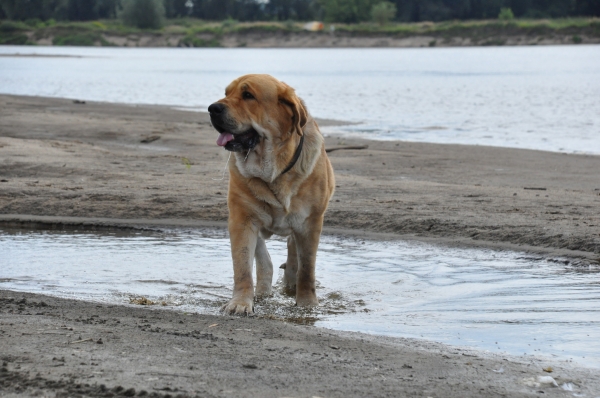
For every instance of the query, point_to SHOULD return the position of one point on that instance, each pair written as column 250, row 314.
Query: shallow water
column 497, row 301
column 526, row 97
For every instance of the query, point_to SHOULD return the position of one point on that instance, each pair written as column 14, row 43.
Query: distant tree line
column 349, row 11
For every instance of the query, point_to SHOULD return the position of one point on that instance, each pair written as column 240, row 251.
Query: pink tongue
column 224, row 138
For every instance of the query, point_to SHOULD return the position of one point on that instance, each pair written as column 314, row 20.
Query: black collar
column 296, row 156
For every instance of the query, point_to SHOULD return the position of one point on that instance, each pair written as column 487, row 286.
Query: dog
column 280, row 183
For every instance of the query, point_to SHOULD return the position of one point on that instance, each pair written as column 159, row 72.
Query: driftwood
column 150, row 139
column 81, row 341
column 337, row 148
column 535, row 189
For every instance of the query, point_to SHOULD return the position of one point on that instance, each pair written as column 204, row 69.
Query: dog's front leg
column 243, row 236
column 307, row 242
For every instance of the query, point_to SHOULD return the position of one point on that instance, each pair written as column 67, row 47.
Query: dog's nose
column 216, row 108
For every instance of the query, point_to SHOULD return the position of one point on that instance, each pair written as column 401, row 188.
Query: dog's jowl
column 280, row 183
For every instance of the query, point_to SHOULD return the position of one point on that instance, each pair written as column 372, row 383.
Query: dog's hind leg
column 307, row 242
column 264, row 269
column 291, row 265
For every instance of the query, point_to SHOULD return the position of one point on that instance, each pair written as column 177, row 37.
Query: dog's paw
column 263, row 291
column 239, row 306
column 289, row 280
column 307, row 301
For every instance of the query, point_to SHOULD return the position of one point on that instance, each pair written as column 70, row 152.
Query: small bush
column 35, row 23
column 577, row 39
column 506, row 14
column 290, row 25
column 229, row 23
column 383, row 12
column 143, row 14
column 99, row 25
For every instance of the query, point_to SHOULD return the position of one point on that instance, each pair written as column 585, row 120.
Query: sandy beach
column 63, row 162
column 69, row 162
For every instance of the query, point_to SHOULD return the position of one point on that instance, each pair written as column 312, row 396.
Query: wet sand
column 71, row 163
column 74, row 348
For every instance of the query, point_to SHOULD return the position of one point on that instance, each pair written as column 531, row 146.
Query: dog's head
column 256, row 108
column 259, row 114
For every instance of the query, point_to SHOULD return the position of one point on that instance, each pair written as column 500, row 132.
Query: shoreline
column 323, row 40
column 95, row 349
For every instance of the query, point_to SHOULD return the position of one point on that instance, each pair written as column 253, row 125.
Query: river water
column 544, row 97
column 497, row 301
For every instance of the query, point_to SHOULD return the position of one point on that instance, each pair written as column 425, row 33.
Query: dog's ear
column 288, row 97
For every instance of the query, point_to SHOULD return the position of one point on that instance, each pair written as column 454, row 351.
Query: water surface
column 525, row 97
column 497, row 301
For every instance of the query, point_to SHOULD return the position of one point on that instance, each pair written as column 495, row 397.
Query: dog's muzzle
column 239, row 142
column 234, row 142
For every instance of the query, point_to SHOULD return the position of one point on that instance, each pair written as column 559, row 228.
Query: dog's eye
column 247, row 96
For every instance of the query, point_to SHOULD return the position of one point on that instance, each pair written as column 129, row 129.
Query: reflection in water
column 500, row 301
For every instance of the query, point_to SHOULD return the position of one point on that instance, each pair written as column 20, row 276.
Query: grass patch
column 486, row 27
column 77, row 39
column 13, row 33
column 80, row 39
column 13, row 26
column 18, row 39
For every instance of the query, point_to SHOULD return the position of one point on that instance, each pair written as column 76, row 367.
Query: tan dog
column 280, row 183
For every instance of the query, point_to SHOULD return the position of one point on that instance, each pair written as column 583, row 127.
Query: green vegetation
column 383, row 12
column 588, row 26
column 13, row 33
column 204, row 23
column 80, row 39
column 338, row 11
column 506, row 14
column 143, row 14
column 12, row 27
column 348, row 11
column 190, row 32
column 14, row 39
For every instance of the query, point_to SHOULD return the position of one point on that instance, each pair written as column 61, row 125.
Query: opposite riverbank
column 195, row 33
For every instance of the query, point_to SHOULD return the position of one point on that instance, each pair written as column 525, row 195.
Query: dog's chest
column 280, row 226
column 283, row 224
